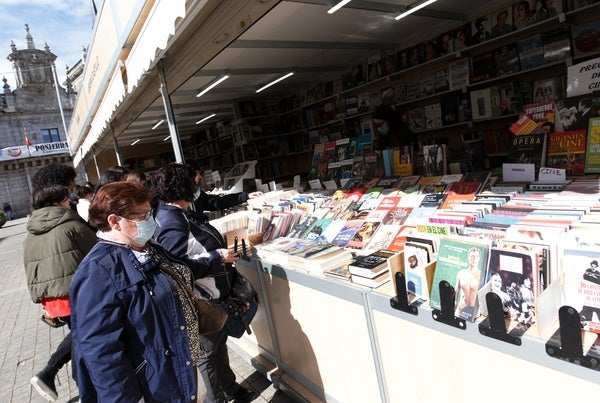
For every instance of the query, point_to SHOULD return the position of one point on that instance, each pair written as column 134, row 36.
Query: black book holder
column 494, row 325
column 446, row 313
column 566, row 343
column 400, row 301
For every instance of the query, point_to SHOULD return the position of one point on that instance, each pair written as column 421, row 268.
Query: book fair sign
column 35, row 150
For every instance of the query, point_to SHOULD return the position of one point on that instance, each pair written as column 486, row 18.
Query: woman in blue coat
column 135, row 330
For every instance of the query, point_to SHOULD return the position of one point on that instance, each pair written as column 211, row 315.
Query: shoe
column 242, row 395
column 52, row 322
column 43, row 382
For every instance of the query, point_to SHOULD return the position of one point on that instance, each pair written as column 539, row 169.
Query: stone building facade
column 32, row 127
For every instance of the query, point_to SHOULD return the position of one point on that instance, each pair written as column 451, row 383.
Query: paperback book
column 566, row 150
column 461, row 262
column 370, row 266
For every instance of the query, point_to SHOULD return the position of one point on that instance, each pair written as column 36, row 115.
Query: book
column 363, row 235
column 372, row 282
column 458, row 73
column 415, row 260
column 322, row 262
column 347, row 232
column 461, row 262
column 592, row 148
column 483, row 67
column 433, row 116
column 513, row 274
column 481, row 100
column 542, row 113
column 341, row 273
column 582, row 285
column 531, row 52
column 506, row 59
column 557, row 45
column 529, row 149
column 459, row 192
column 371, row 265
column 434, row 159
column 566, row 150
column 584, row 39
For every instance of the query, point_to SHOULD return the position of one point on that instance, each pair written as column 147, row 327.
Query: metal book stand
column 494, row 325
column 566, row 343
column 400, row 301
column 446, row 314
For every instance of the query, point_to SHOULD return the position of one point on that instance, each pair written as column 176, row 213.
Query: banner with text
column 34, row 150
column 583, row 78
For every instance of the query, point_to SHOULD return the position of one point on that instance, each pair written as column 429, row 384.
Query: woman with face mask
column 389, row 130
column 135, row 329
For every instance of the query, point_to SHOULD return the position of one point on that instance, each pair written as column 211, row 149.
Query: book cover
column 434, row 159
column 363, row 235
column 557, row 45
column 506, row 59
column 584, row 38
column 461, row 262
column 566, row 150
column 415, row 260
column 426, row 85
column 529, row 149
column 592, row 151
column 433, row 116
column 483, row 67
column 511, row 100
column 582, row 285
column 347, row 232
column 315, row 233
column 382, row 238
column 441, row 81
column 458, row 73
column 481, row 101
column 531, row 52
column 459, row 192
column 341, row 273
column 416, row 119
column 513, row 276
column 370, row 265
column 547, row 89
column 541, row 113
column 449, row 106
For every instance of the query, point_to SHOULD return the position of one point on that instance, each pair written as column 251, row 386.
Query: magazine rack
column 400, row 301
column 446, row 314
column 566, row 343
column 494, row 325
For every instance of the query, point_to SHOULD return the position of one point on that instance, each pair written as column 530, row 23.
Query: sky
column 66, row 25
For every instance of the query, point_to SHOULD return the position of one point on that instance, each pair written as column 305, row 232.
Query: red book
column 459, row 192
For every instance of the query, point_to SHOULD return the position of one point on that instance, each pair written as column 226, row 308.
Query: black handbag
column 241, row 306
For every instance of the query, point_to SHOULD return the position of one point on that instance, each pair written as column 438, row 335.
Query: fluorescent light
column 213, row 85
column 160, row 122
column 416, row 8
column 206, row 118
column 291, row 73
column 167, row 138
column 338, row 6
column 135, row 142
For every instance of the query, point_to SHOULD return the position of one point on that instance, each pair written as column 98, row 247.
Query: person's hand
column 254, row 195
column 228, row 255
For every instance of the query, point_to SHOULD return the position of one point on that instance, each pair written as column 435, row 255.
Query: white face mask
column 145, row 230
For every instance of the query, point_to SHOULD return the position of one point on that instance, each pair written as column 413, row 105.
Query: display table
column 332, row 341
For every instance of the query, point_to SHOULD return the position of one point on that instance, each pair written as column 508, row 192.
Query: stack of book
column 371, row 270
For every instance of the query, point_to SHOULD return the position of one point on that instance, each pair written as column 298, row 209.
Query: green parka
column 56, row 242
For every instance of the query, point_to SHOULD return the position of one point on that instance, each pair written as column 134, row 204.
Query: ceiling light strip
column 167, row 138
column 291, row 73
column 160, row 122
column 213, row 85
column 338, row 6
column 135, row 142
column 416, row 8
column 206, row 118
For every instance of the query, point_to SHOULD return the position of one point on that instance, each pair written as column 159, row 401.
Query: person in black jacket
column 390, row 131
column 189, row 236
column 210, row 202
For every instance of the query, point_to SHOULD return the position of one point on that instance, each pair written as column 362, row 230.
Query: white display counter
column 332, row 341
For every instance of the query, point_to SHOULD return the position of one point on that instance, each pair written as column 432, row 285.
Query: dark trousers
column 214, row 368
column 63, row 353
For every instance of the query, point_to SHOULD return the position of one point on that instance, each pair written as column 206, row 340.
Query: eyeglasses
column 137, row 217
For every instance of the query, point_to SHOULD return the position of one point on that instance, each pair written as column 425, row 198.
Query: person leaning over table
column 390, row 131
column 135, row 330
column 212, row 202
column 189, row 236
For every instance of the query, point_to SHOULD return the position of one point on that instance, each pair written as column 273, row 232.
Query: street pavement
column 26, row 343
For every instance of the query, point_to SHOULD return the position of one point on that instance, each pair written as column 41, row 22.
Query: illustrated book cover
column 566, row 150
column 461, row 262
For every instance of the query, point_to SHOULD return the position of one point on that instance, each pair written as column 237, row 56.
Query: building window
column 50, row 135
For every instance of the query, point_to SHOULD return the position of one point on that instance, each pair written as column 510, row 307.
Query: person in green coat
column 57, row 241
